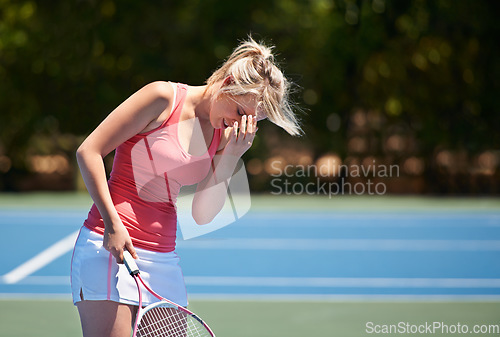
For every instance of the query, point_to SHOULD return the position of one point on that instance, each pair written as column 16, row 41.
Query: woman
column 166, row 135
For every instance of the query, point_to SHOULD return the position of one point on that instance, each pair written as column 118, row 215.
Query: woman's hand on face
column 241, row 139
column 116, row 240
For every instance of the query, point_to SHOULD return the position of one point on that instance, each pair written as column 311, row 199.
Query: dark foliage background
column 407, row 83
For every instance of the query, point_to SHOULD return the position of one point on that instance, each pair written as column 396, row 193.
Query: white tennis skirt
column 96, row 276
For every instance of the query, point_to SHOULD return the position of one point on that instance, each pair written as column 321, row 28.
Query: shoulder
column 152, row 103
column 159, row 90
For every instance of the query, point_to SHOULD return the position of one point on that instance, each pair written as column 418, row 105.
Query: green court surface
column 58, row 318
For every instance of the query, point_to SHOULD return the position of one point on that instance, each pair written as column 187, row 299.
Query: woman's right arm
column 143, row 111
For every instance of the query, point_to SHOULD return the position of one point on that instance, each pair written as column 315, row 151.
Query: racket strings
column 170, row 322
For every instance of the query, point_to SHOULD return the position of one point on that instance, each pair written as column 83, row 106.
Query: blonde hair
column 253, row 71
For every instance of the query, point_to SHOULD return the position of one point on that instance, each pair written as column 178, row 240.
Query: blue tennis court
column 326, row 254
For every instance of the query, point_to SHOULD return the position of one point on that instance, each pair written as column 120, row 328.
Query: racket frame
column 134, row 271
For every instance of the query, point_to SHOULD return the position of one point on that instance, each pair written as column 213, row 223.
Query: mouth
column 225, row 123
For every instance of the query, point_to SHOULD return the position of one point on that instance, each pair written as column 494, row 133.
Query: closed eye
column 240, row 112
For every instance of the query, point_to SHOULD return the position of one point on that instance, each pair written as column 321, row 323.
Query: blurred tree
column 428, row 68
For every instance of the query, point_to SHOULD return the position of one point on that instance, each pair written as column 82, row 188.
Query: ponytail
column 252, row 69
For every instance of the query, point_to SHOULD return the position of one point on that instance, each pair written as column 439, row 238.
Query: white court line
column 262, row 297
column 55, row 213
column 41, row 260
column 308, row 282
column 44, row 280
column 343, row 244
column 343, row 282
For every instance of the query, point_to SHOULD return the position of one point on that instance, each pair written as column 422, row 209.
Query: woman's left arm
column 211, row 192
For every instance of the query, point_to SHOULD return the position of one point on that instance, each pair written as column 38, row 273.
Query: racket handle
column 130, row 263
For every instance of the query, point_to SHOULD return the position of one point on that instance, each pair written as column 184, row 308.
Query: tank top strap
column 180, row 96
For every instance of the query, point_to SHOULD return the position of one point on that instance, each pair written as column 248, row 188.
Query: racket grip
column 129, row 262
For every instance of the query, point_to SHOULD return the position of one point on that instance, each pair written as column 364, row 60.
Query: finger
column 250, row 137
column 255, row 127
column 131, row 249
column 243, row 127
column 250, row 125
column 119, row 256
column 235, row 130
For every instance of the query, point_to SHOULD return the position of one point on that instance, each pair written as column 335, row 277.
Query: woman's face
column 226, row 110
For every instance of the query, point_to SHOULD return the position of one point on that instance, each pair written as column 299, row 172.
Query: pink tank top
column 148, row 172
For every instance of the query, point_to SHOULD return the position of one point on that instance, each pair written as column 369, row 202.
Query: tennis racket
column 164, row 318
